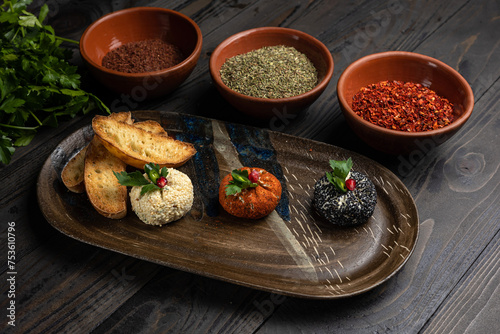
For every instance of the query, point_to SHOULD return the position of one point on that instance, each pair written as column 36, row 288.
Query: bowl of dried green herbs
column 268, row 71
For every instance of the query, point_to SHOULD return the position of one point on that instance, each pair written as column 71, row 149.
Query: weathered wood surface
column 449, row 285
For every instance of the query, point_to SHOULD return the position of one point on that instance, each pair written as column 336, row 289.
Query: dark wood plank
column 178, row 302
column 72, row 287
column 474, row 305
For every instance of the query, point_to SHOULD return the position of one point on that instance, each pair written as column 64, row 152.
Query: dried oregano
column 270, row 72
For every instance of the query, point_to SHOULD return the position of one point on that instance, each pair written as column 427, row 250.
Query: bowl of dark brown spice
column 404, row 103
column 144, row 52
column 271, row 72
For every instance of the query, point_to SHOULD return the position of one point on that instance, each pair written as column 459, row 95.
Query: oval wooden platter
column 291, row 251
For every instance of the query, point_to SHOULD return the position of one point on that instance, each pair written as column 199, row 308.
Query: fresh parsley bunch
column 37, row 84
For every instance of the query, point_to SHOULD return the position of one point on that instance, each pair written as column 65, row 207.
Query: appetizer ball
column 349, row 208
column 249, row 193
column 164, row 205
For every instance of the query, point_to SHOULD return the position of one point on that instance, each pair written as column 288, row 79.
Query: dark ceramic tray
column 290, row 252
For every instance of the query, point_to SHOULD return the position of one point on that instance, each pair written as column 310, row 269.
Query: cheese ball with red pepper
column 253, row 202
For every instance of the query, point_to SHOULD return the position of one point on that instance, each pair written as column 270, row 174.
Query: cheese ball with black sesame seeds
column 345, row 209
column 164, row 205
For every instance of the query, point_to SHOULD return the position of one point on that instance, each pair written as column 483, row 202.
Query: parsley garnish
column 136, row 178
column 37, row 84
column 339, row 174
column 239, row 182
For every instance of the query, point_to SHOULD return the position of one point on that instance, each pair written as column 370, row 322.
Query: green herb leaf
column 232, row 189
column 338, row 176
column 6, row 149
column 149, row 187
column 239, row 182
column 133, row 179
column 25, row 139
column 28, row 20
column 44, row 10
column 137, row 179
column 164, row 172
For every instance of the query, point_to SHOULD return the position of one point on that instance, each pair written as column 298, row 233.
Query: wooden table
column 450, row 283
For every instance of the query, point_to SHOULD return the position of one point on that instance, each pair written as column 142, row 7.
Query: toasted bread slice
column 152, row 126
column 137, row 147
column 72, row 173
column 124, row 116
column 107, row 196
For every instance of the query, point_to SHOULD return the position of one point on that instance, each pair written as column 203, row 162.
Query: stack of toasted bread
column 118, row 142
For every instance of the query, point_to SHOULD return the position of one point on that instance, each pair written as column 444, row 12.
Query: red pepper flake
column 402, row 106
column 143, row 56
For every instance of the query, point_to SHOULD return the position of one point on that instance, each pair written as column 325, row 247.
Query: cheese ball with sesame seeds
column 164, row 205
column 345, row 209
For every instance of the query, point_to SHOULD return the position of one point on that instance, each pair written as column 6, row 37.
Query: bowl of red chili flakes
column 402, row 102
column 144, row 52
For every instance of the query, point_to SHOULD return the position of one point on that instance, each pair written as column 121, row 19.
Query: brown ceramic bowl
column 404, row 66
column 137, row 24
column 257, row 38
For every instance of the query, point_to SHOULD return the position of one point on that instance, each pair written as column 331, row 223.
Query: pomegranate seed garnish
column 161, row 181
column 350, row 184
column 254, row 176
